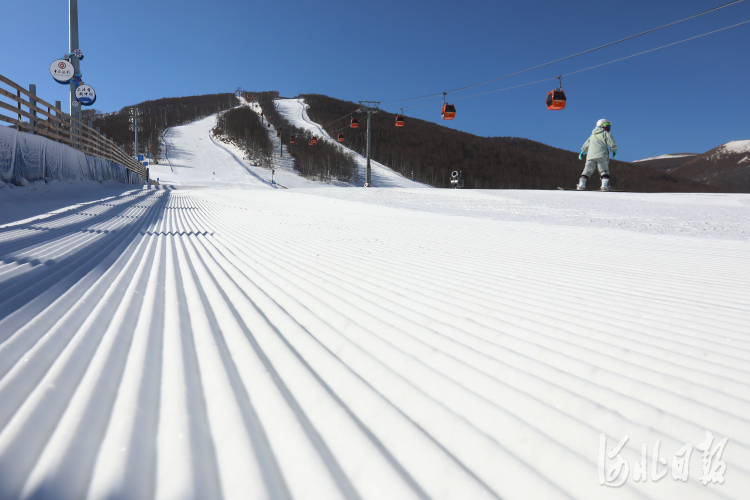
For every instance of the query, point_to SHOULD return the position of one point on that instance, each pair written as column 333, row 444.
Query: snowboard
column 592, row 190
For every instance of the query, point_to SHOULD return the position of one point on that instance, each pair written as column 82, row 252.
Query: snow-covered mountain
column 726, row 167
column 665, row 163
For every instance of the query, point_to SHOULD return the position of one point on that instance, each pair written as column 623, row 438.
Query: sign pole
column 75, row 111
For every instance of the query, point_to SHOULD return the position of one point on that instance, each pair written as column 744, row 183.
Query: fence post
column 32, row 102
column 18, row 94
column 58, row 105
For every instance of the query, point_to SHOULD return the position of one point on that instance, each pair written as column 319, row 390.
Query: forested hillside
column 431, row 152
column 321, row 160
column 243, row 126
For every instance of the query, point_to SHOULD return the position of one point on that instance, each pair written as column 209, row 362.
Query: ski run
column 223, row 337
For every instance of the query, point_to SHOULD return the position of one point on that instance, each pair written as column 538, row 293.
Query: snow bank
column 34, row 158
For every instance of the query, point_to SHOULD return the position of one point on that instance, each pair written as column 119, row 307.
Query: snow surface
column 220, row 338
column 48, row 198
column 196, row 159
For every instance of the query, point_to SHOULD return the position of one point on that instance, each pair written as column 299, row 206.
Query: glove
column 614, row 154
column 580, row 156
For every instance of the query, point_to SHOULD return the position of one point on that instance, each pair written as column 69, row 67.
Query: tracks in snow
column 195, row 344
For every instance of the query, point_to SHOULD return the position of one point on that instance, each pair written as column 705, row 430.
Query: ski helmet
column 604, row 124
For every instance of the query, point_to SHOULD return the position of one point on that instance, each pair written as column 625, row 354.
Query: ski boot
column 605, row 183
column 582, row 183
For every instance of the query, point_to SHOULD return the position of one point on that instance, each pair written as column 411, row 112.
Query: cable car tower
column 368, row 107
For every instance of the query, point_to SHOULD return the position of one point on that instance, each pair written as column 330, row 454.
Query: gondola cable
column 582, row 70
column 565, row 58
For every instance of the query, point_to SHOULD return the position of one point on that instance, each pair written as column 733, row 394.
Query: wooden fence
column 56, row 125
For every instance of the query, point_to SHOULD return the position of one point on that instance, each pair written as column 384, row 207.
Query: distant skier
column 597, row 154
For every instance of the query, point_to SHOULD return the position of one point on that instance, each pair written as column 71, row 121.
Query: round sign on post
column 86, row 95
column 62, row 71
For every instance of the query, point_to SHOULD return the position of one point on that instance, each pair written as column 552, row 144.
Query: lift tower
column 368, row 107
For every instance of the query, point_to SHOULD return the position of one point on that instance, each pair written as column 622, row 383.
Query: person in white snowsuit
column 596, row 149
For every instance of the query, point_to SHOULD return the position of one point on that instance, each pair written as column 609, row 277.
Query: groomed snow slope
column 196, row 159
column 381, row 343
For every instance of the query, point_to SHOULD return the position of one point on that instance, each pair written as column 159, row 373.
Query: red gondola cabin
column 341, row 137
column 556, row 99
column 399, row 120
column 313, row 140
column 355, row 123
column 291, row 140
column 448, row 112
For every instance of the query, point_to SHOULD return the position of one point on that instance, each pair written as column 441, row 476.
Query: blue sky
column 687, row 98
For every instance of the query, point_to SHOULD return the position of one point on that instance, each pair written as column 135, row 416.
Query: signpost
column 73, row 48
column 67, row 71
